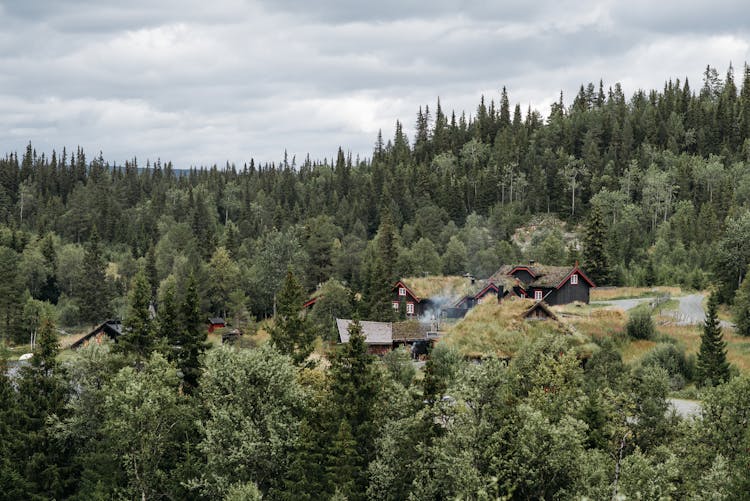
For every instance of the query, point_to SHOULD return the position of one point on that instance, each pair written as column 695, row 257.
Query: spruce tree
column 355, row 390
column 42, row 394
column 167, row 317
column 292, row 334
column 94, row 293
column 712, row 366
column 742, row 308
column 139, row 329
column 594, row 253
column 190, row 342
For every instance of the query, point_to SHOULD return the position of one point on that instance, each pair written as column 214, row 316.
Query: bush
column 672, row 359
column 640, row 325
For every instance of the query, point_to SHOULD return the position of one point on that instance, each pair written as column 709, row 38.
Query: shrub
column 640, row 325
column 672, row 359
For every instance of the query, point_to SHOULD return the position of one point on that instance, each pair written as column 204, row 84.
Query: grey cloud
column 204, row 82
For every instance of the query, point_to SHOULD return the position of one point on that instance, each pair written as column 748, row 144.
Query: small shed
column 111, row 329
column 215, row 323
column 378, row 335
column 540, row 311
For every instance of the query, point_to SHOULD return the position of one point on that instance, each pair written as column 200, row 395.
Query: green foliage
column 94, row 288
column 252, row 404
column 640, row 325
column 741, row 309
column 712, row 367
column 139, row 329
column 292, row 333
column 673, row 360
column 595, row 260
column 399, row 365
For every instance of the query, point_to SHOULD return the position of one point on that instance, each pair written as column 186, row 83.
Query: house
column 382, row 337
column 437, row 296
column 418, row 337
column 378, row 335
column 539, row 311
column 215, row 323
column 553, row 284
column 111, row 329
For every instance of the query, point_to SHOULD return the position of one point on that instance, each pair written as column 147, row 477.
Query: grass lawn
column 612, row 293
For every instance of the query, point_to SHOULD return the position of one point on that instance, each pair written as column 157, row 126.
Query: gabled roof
column 544, row 276
column 112, row 328
column 216, row 321
column 409, row 331
column 540, row 305
column 377, row 333
column 449, row 288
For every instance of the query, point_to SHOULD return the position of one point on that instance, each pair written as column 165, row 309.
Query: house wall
column 378, row 349
column 524, row 276
column 569, row 293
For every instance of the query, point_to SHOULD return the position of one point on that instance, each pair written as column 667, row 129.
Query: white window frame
column 402, row 291
column 410, row 308
column 538, row 295
column 394, row 304
column 574, row 279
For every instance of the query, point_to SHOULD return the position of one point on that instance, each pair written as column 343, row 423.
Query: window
column 574, row 279
column 401, row 291
column 410, row 308
column 538, row 295
column 395, row 305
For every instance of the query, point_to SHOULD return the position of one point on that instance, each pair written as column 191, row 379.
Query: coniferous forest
column 642, row 190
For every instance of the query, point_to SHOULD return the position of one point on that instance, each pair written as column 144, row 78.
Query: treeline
column 666, row 169
column 123, row 423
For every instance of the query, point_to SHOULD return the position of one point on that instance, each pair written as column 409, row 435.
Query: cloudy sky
column 201, row 82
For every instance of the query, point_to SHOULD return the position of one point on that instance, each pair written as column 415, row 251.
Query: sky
column 201, row 82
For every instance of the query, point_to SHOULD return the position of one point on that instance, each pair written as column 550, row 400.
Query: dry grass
column 611, row 293
column 498, row 329
column 447, row 286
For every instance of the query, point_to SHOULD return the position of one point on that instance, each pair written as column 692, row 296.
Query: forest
column 650, row 189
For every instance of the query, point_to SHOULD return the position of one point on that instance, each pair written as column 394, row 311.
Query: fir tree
column 94, row 296
column 139, row 329
column 42, row 394
column 355, row 389
column 167, row 317
column 742, row 308
column 594, row 253
column 712, row 366
column 190, row 342
column 292, row 334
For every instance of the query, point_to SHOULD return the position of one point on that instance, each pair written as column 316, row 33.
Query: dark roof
column 540, row 305
column 216, row 321
column 544, row 276
column 112, row 328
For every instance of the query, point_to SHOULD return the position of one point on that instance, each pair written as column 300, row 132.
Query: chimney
column 531, row 262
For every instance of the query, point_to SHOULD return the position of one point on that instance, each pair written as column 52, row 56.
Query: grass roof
column 498, row 329
column 446, row 286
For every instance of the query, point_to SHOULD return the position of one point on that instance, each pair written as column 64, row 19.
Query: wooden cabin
column 554, row 285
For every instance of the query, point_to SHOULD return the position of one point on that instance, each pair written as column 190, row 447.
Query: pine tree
column 594, row 253
column 292, row 334
column 167, row 317
column 355, row 389
column 742, row 308
column 190, row 342
column 12, row 484
column 139, row 329
column 11, row 296
column 43, row 393
column 712, row 366
column 94, row 293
